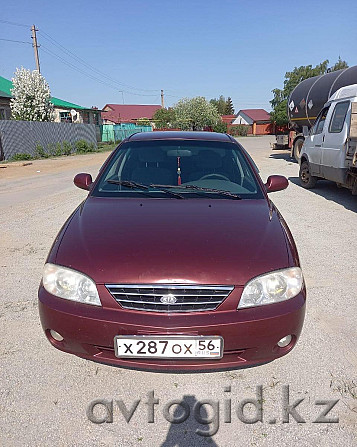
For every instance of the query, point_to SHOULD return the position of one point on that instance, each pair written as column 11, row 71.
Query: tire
column 307, row 180
column 297, row 148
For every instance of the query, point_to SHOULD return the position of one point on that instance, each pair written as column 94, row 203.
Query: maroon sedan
column 177, row 260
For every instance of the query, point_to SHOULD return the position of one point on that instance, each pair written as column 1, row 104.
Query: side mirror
column 276, row 183
column 83, row 181
column 305, row 131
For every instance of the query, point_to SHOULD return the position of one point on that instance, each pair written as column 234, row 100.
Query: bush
column 103, row 144
column 21, row 156
column 239, row 130
column 58, row 150
column 220, row 127
column 40, row 152
column 83, row 147
column 51, row 149
column 67, row 148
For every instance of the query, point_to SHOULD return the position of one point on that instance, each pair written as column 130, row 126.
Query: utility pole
column 35, row 47
column 162, row 99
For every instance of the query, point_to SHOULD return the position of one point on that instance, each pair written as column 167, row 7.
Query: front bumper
column 250, row 335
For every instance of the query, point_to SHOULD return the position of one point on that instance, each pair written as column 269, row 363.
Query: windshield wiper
column 166, row 188
column 128, row 184
column 221, row 192
column 133, row 185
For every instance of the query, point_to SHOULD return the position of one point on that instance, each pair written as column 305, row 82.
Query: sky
column 109, row 51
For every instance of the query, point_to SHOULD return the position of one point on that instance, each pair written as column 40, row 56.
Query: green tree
column 224, row 106
column 164, row 118
column 229, row 110
column 220, row 104
column 195, row 114
column 31, row 97
column 220, row 127
column 292, row 79
column 339, row 65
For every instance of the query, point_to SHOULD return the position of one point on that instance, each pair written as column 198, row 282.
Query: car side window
column 320, row 121
column 338, row 117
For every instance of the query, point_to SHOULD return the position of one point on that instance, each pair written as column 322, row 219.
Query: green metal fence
column 113, row 132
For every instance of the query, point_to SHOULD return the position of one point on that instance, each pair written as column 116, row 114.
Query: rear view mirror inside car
column 179, row 153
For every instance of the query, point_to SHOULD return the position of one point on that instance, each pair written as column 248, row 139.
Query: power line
column 80, row 61
column 69, row 64
column 74, row 67
column 83, row 62
column 14, row 23
column 17, row 41
column 93, row 69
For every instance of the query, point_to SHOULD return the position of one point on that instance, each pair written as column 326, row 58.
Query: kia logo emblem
column 168, row 299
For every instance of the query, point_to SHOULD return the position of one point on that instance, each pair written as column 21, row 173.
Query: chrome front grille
column 169, row 298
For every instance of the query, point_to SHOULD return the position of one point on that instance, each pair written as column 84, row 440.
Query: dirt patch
column 22, row 169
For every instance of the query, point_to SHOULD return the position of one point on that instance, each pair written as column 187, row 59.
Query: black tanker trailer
column 306, row 101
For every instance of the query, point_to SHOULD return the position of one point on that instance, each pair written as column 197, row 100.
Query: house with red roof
column 228, row 119
column 258, row 119
column 127, row 113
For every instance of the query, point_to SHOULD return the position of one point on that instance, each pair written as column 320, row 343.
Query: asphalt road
column 44, row 393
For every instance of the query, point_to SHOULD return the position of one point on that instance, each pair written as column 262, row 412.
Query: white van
column 330, row 148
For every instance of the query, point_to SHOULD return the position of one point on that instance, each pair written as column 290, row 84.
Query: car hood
column 169, row 240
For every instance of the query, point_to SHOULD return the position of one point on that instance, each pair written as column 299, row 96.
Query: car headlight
column 272, row 288
column 70, row 285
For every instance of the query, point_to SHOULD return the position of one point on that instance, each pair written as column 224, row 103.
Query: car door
column 334, row 145
column 313, row 143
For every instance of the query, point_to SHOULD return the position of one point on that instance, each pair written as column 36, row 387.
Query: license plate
column 172, row 347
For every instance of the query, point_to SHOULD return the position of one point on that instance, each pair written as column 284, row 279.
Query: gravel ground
column 44, row 393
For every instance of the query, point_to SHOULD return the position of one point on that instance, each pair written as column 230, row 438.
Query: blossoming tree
column 195, row 114
column 31, row 97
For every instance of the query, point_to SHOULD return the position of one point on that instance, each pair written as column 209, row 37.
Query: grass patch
column 21, row 157
column 63, row 149
column 105, row 147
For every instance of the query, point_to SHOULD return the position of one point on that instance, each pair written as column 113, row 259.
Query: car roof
column 180, row 135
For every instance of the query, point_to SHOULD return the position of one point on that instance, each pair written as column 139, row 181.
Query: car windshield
column 178, row 169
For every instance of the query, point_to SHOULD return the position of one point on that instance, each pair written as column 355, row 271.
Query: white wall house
column 242, row 118
column 250, row 116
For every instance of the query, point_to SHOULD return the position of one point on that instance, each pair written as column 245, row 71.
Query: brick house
column 258, row 119
column 127, row 113
column 228, row 119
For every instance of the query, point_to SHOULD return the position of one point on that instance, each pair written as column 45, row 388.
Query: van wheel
column 307, row 180
column 297, row 148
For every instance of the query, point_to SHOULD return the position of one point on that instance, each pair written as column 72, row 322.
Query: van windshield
column 190, row 169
